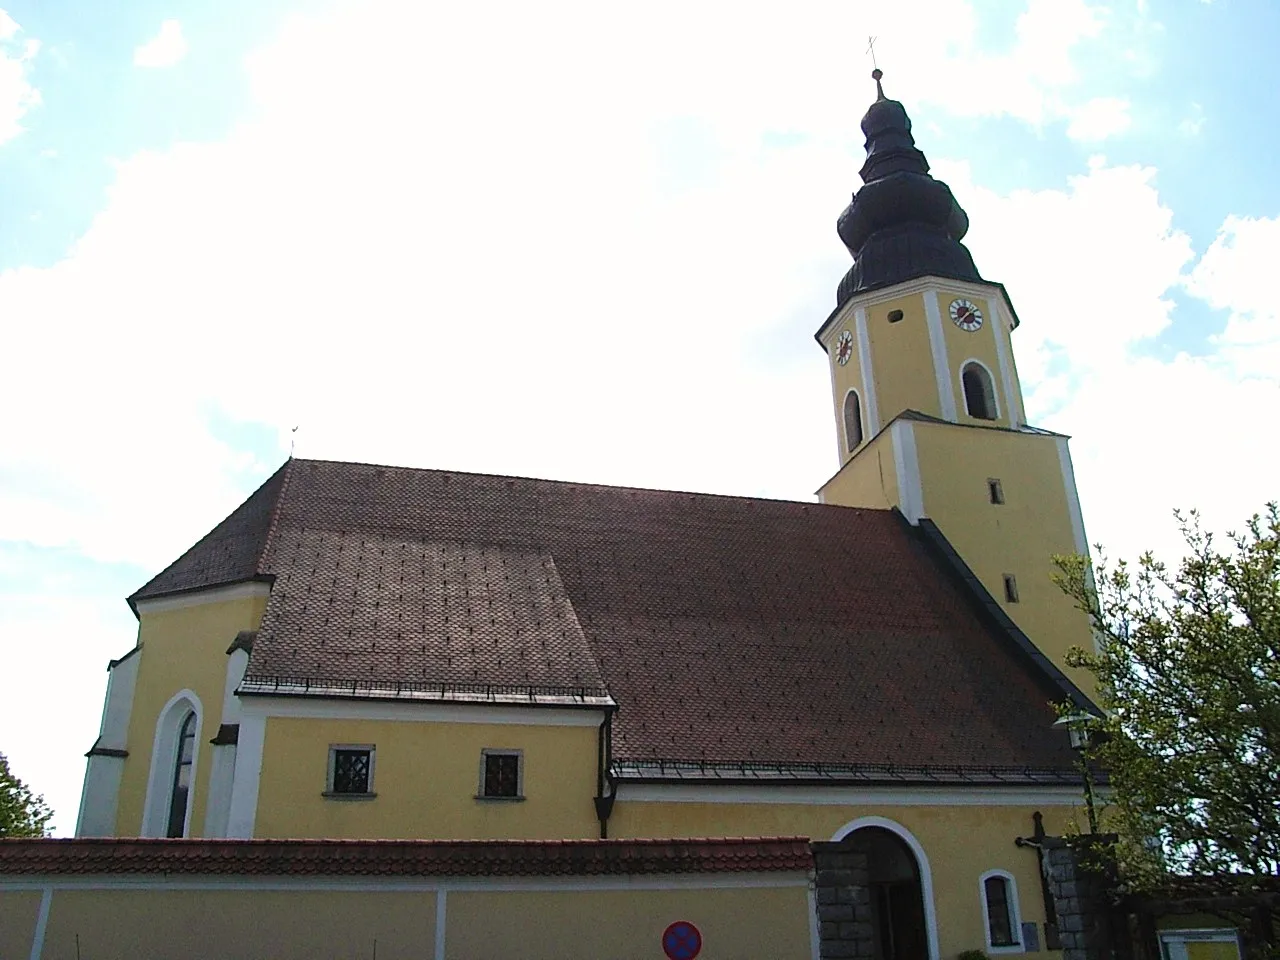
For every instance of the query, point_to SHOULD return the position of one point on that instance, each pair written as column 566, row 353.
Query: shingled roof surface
column 728, row 630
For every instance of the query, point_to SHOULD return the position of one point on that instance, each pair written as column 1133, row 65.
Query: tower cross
column 871, row 50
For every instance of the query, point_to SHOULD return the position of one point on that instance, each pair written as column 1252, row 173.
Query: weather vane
column 292, row 440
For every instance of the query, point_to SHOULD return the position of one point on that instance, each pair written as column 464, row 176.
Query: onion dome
column 903, row 223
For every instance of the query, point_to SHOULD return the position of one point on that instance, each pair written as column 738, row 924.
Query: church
column 381, row 653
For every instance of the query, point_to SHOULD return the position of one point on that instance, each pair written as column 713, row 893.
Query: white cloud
column 17, row 95
column 1193, row 123
column 165, row 49
column 1235, row 275
column 1098, row 119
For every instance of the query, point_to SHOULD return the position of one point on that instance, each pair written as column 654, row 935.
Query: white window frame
column 370, row 791
column 1173, row 943
column 488, row 752
column 850, row 448
column 991, row 382
column 164, row 758
column 1015, row 912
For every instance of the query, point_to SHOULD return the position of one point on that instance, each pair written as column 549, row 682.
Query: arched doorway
column 897, row 900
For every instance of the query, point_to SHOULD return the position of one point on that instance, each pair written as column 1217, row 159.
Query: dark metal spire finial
column 876, row 72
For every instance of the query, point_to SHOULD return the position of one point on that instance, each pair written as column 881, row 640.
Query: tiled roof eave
column 811, row 774
column 479, row 693
column 140, row 858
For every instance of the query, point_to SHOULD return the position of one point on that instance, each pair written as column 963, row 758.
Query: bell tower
column 928, row 406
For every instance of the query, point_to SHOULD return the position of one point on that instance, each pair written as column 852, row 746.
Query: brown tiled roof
column 402, row 858
column 229, row 553
column 729, row 630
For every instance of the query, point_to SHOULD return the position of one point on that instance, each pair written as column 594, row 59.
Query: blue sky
column 568, row 241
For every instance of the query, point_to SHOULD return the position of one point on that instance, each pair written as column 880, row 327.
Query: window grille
column 352, row 770
column 501, row 775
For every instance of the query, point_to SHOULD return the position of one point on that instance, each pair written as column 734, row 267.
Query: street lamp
column 1079, row 730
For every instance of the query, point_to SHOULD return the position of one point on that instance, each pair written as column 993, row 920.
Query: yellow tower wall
column 1018, row 537
column 902, row 357
column 183, row 647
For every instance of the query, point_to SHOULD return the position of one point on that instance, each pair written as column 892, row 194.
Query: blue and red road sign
column 682, row 941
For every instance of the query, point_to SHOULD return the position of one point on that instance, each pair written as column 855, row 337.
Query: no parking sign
column 681, row 941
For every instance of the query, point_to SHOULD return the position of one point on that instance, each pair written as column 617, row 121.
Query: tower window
column 979, row 392
column 895, row 316
column 1010, row 588
column 182, row 778
column 995, row 491
column 852, row 420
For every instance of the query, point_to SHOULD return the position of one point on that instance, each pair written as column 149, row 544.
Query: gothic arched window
column 181, row 789
column 852, row 420
column 979, row 391
column 1000, row 903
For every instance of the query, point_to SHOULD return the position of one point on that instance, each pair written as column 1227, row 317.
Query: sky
column 588, row 242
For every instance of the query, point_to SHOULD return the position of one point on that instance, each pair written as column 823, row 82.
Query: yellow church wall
column 246, row 923
column 19, row 910
column 426, row 777
column 183, row 647
column 740, row 922
column 1018, row 537
column 867, row 480
column 960, row 842
column 902, row 358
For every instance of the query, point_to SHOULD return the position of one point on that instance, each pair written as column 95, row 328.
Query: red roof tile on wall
column 401, row 858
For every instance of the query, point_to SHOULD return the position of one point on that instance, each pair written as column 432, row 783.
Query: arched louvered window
column 979, row 391
column 181, row 789
column 852, row 420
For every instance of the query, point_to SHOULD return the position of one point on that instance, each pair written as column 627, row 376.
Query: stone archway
column 874, row 895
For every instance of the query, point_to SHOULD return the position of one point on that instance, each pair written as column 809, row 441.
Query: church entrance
column 897, row 898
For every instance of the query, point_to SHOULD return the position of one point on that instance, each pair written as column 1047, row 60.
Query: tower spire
column 903, row 223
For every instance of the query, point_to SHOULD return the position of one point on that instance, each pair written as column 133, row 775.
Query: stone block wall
column 845, row 927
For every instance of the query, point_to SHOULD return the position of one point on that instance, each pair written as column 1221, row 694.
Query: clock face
column 966, row 315
column 844, row 348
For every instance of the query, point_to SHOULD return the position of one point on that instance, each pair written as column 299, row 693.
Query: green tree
column 22, row 813
column 1188, row 667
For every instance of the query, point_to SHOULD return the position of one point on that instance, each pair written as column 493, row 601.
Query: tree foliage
column 1188, row 667
column 22, row 813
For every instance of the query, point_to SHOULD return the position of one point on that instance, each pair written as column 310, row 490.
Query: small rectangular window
column 1010, row 588
column 350, row 771
column 501, row 775
column 995, row 491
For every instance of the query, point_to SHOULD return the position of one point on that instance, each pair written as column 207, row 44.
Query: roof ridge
column 588, row 484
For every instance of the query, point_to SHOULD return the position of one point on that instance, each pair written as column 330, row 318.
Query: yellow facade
column 901, row 357
column 868, row 480
column 426, row 777
column 1018, row 537
column 961, row 842
column 252, row 919
column 182, row 648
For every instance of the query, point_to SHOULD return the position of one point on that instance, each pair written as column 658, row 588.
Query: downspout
column 604, row 758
